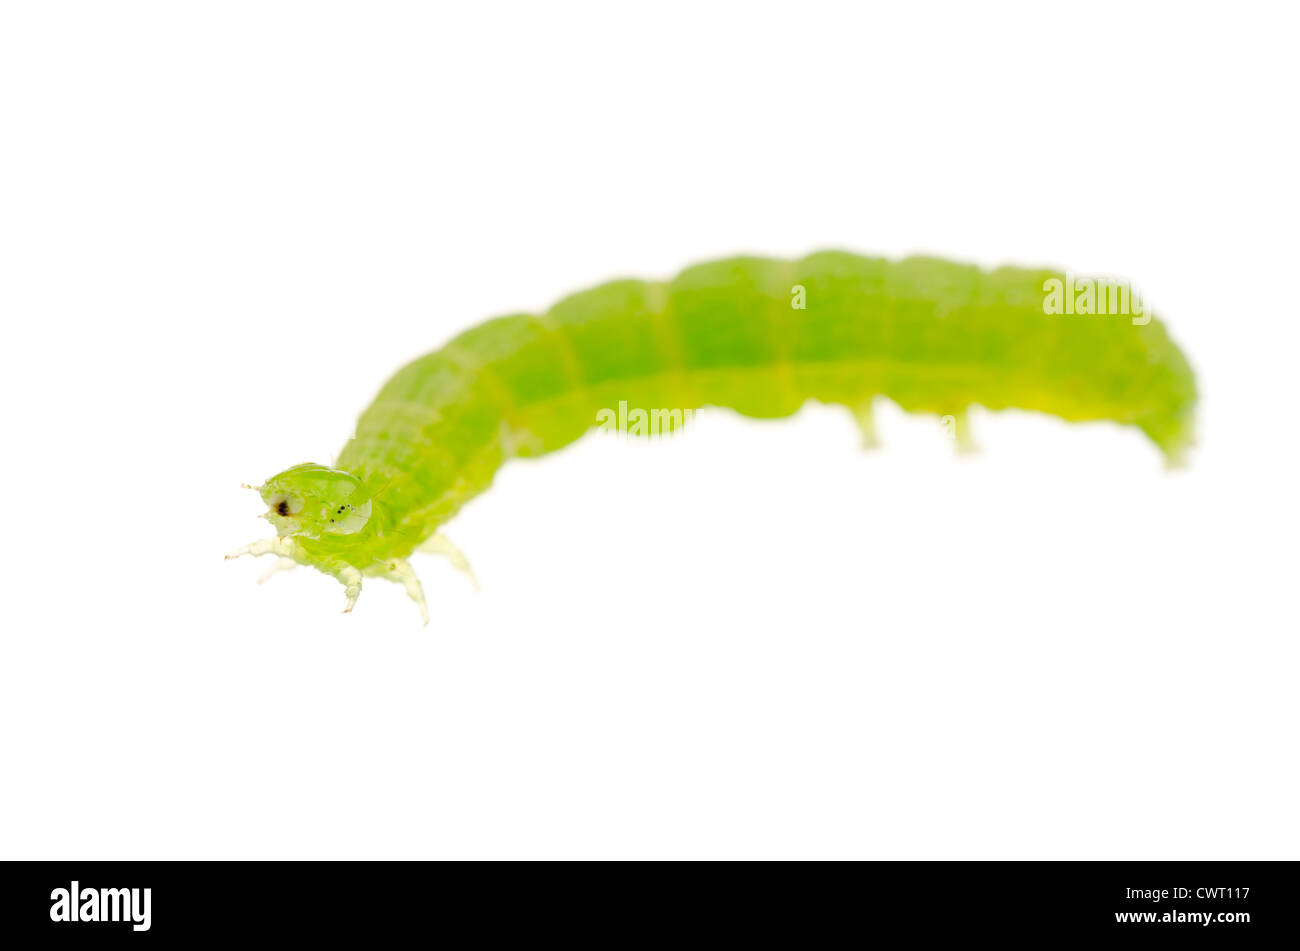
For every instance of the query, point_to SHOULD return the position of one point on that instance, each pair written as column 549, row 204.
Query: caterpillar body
column 757, row 335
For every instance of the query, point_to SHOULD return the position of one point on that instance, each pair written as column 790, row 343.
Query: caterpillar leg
column 351, row 579
column 405, row 575
column 283, row 547
column 442, row 545
column 290, row 554
column 281, row 564
column 865, row 417
column 957, row 426
column 399, row 571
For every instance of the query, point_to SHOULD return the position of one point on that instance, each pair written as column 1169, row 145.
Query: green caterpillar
column 758, row 335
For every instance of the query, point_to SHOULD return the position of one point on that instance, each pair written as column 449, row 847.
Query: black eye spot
column 282, row 509
column 340, row 510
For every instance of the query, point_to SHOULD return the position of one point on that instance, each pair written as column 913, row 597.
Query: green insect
column 760, row 336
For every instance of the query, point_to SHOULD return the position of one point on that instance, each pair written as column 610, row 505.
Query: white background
column 222, row 226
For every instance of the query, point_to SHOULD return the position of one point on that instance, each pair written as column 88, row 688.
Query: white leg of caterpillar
column 267, row 546
column 442, row 545
column 351, row 579
column 865, row 417
column 957, row 426
column 402, row 572
column 281, row 564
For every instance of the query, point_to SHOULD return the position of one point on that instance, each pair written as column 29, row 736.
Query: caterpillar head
column 315, row 501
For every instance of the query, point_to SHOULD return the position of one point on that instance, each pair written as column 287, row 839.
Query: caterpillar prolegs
column 758, row 335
